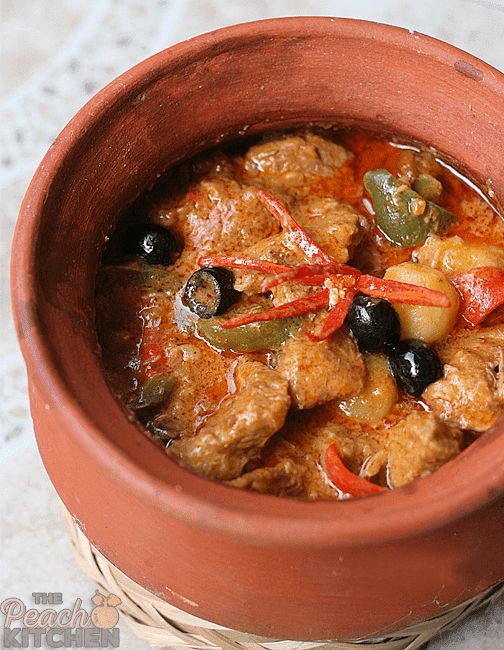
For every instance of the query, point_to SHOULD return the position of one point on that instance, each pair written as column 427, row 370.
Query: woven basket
column 163, row 625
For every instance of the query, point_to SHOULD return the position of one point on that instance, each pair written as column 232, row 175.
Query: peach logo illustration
column 105, row 615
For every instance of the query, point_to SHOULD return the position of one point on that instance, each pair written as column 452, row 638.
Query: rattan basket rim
column 163, row 625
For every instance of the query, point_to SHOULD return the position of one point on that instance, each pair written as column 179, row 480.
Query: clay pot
column 275, row 567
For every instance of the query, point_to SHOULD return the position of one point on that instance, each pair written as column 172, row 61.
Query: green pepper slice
column 428, row 187
column 403, row 216
column 265, row 335
column 154, row 392
column 151, row 278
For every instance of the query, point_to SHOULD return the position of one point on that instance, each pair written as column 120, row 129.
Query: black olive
column 209, row 291
column 374, row 323
column 414, row 365
column 155, row 244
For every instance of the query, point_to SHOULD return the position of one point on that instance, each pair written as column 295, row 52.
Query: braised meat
column 219, row 214
column 453, row 255
column 470, row 394
column 285, row 479
column 319, row 372
column 419, row 445
column 241, row 426
column 288, row 164
column 335, row 226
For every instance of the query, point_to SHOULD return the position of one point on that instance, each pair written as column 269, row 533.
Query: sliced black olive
column 209, row 291
column 374, row 323
column 155, row 244
column 414, row 365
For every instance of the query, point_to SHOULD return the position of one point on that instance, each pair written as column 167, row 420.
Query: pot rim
column 425, row 504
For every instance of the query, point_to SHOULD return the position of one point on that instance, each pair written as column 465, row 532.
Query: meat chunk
column 287, row 164
column 335, row 226
column 285, row 479
column 419, row 445
column 318, row 372
column 288, row 292
column 276, row 248
column 480, row 221
column 486, row 342
column 220, row 215
column 453, row 255
column 193, row 397
column 470, row 394
column 239, row 429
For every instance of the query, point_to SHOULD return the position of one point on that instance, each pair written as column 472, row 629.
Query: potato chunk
column 428, row 324
column 239, row 429
column 419, row 445
column 379, row 394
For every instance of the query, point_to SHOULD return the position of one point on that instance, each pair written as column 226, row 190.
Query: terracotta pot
column 275, row 567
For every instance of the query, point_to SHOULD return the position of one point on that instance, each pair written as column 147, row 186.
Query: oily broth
column 135, row 329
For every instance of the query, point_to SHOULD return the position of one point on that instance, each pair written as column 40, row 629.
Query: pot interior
column 245, row 81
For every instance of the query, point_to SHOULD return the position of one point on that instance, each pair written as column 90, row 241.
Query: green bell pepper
column 403, row 216
column 265, row 335
column 428, row 187
column 154, row 392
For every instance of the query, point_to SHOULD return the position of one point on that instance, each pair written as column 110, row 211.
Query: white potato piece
column 428, row 324
column 454, row 255
column 378, row 396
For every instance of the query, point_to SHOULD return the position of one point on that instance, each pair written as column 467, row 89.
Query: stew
column 316, row 314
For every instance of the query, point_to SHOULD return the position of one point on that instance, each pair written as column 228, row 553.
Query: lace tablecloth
column 54, row 56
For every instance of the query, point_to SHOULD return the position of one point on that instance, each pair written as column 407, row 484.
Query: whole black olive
column 414, row 365
column 374, row 323
column 209, row 291
column 155, row 244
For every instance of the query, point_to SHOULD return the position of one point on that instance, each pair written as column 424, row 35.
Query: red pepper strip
column 335, row 319
column 299, row 273
column 344, row 479
column 402, row 292
column 301, row 238
column 234, row 262
column 295, row 308
column 482, row 291
column 346, row 281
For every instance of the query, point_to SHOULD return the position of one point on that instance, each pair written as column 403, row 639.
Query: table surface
column 54, row 56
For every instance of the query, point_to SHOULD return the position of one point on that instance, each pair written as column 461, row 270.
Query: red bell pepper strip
column 482, row 291
column 335, row 319
column 402, row 292
column 344, row 479
column 307, row 271
column 391, row 290
column 236, row 262
column 295, row 308
column 297, row 235
column 152, row 353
